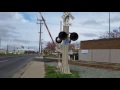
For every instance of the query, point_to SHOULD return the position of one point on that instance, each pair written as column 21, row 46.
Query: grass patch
column 51, row 55
column 52, row 73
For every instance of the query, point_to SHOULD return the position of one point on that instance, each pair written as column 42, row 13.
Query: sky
column 20, row 28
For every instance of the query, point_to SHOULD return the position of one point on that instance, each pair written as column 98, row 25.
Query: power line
column 46, row 27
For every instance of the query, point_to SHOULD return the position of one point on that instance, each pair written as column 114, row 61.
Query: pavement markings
column 2, row 57
column 3, row 61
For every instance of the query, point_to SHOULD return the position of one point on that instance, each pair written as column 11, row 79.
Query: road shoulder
column 22, row 71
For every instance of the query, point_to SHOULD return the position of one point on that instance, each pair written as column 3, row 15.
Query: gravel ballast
column 89, row 72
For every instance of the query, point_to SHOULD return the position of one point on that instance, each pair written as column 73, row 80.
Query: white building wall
column 101, row 55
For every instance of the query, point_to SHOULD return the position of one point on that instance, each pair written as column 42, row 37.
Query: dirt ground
column 100, row 65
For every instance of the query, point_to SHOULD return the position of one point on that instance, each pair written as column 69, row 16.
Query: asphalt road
column 11, row 65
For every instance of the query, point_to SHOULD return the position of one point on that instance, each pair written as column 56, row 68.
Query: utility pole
column 65, row 66
column 0, row 41
column 119, row 29
column 14, row 49
column 41, row 46
column 109, row 25
column 60, row 26
column 7, row 48
column 40, row 51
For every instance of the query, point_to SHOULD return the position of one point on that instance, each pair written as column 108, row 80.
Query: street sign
column 66, row 42
column 84, row 51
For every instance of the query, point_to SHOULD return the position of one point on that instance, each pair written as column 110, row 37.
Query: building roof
column 113, row 43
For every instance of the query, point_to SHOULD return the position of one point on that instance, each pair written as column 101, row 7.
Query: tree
column 71, row 47
column 77, row 45
column 74, row 46
column 113, row 34
column 50, row 47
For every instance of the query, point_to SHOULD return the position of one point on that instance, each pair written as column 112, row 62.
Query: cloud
column 20, row 17
column 17, row 28
column 91, row 22
column 8, row 31
column 10, row 26
column 6, row 15
column 88, row 34
column 115, row 19
column 22, row 28
column 21, row 41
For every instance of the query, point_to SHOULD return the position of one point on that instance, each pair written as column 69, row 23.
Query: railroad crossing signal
column 64, row 36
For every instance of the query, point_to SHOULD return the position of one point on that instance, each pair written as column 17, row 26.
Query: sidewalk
column 35, row 70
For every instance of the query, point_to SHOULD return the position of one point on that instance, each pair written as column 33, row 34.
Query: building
column 2, row 51
column 101, row 50
column 113, row 43
column 22, row 51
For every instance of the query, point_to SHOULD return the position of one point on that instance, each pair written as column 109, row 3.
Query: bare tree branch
column 113, row 34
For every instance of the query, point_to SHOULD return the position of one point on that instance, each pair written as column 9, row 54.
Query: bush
column 51, row 55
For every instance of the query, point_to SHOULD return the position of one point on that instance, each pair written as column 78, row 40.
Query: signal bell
column 63, row 35
column 73, row 36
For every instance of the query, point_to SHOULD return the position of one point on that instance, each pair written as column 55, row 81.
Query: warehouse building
column 101, row 50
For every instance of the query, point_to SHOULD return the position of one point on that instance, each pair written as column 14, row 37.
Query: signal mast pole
column 65, row 66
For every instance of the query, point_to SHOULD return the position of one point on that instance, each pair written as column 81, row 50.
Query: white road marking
column 2, row 57
column 3, row 61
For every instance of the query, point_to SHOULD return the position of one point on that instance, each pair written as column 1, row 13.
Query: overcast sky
column 20, row 28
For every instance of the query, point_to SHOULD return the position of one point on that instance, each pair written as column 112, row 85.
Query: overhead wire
column 46, row 26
